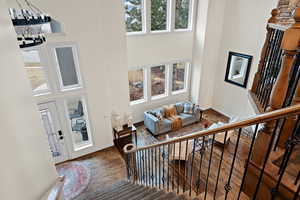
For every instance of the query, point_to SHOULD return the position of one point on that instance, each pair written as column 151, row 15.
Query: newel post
column 261, row 65
column 289, row 46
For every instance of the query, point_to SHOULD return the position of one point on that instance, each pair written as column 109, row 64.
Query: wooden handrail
column 278, row 26
column 285, row 112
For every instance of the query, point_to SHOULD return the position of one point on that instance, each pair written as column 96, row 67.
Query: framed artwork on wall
column 238, row 68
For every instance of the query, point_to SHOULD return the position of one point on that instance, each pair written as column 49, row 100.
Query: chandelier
column 30, row 24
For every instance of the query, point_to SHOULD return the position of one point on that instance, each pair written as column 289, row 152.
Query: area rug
column 77, row 178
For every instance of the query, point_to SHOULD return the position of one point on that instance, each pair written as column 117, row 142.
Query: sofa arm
column 197, row 113
column 151, row 122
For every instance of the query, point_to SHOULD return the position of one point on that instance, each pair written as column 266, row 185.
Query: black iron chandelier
column 30, row 24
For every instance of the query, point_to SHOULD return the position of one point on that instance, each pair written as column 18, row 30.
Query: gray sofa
column 157, row 126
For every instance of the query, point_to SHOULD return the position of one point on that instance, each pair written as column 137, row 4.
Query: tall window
column 79, row 123
column 179, row 77
column 159, row 13
column 158, row 80
column 182, row 13
column 67, row 63
column 35, row 71
column 133, row 15
column 136, row 85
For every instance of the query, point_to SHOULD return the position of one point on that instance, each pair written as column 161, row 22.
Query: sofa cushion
column 179, row 107
column 187, row 119
column 188, row 108
column 165, row 125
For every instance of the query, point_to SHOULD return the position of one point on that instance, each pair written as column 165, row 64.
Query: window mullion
column 171, row 15
column 147, row 15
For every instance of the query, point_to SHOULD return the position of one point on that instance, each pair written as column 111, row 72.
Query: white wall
column 27, row 170
column 244, row 32
column 97, row 27
column 158, row 48
column 207, row 43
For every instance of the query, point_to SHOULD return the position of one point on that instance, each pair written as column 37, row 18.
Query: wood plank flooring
column 108, row 166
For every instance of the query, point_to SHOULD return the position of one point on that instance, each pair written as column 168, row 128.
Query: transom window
column 182, row 14
column 134, row 15
column 35, row 71
column 159, row 14
column 152, row 16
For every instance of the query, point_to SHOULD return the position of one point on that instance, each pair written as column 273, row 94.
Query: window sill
column 159, row 97
column 132, row 103
column 83, row 146
column 179, row 92
column 135, row 33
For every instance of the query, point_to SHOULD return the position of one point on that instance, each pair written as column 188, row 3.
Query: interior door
column 56, row 138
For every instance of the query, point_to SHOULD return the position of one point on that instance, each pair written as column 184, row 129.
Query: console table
column 123, row 137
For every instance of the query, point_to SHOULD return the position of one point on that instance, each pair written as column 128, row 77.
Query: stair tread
column 167, row 196
column 154, row 195
column 117, row 194
column 149, row 191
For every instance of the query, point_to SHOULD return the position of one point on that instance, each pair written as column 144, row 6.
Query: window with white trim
column 134, row 10
column 158, row 81
column 137, row 89
column 67, row 67
column 179, row 77
column 36, row 71
column 159, row 15
column 76, row 110
column 182, row 14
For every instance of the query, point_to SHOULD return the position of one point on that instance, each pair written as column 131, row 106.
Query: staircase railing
column 277, row 69
column 197, row 165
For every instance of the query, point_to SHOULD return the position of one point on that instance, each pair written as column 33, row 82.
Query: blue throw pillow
column 188, row 108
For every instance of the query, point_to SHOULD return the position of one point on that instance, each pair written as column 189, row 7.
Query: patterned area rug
column 77, row 178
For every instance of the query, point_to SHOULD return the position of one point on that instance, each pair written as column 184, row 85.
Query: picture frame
column 238, row 69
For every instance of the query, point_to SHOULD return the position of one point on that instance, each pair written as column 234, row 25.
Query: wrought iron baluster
column 149, row 168
column 163, row 171
column 265, row 60
column 127, row 165
column 192, row 165
column 248, row 159
column 266, row 160
column 155, row 166
column 178, row 174
column 227, row 187
column 143, row 166
column 168, row 176
column 209, row 165
column 185, row 167
column 173, row 166
column 220, row 164
column 159, row 168
column 288, row 152
column 152, row 169
column 266, row 67
column 276, row 57
column 140, row 167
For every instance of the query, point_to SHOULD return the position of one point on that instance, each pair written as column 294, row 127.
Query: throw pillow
column 159, row 116
column 179, row 107
column 188, row 108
